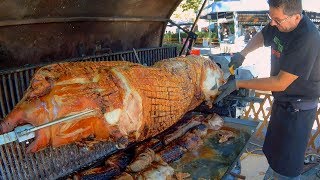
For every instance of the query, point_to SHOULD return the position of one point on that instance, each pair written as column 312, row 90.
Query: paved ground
column 254, row 165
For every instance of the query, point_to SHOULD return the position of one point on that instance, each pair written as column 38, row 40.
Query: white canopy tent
column 311, row 5
column 254, row 5
column 248, row 6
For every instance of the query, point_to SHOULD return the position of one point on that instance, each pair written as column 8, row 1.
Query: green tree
column 191, row 4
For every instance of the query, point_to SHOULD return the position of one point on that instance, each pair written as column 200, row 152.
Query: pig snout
column 28, row 113
column 14, row 119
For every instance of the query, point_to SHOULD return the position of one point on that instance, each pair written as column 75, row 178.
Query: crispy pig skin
column 131, row 102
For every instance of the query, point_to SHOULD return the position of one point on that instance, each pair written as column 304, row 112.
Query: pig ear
column 40, row 86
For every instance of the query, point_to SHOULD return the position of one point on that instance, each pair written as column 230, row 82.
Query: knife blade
column 230, row 78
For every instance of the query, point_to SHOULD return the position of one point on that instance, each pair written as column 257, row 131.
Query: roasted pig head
column 131, row 102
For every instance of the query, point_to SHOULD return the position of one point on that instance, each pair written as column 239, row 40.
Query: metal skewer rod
column 67, row 118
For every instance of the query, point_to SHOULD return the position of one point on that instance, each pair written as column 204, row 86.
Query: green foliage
column 207, row 34
column 167, row 35
column 175, row 35
column 171, row 44
column 182, row 35
column 232, row 28
column 191, row 4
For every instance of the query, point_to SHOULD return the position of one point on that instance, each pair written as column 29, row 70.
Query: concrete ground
column 254, row 165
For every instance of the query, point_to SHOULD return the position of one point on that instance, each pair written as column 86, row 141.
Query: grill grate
column 49, row 163
column 56, row 163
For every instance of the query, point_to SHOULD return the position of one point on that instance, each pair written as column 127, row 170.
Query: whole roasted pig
column 131, row 102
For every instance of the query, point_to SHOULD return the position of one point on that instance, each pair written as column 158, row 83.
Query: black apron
column 287, row 138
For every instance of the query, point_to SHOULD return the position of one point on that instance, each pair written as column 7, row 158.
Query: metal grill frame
column 16, row 164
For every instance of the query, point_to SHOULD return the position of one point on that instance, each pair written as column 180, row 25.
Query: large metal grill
column 56, row 163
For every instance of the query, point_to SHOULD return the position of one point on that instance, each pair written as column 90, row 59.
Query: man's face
column 283, row 22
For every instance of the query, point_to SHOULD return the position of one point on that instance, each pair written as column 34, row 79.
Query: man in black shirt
column 294, row 81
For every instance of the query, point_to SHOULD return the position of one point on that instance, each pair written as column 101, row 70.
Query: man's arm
column 238, row 58
column 256, row 42
column 273, row 83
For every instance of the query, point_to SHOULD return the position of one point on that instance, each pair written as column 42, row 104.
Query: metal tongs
column 26, row 132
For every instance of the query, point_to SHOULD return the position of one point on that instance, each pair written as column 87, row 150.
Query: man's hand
column 226, row 89
column 236, row 60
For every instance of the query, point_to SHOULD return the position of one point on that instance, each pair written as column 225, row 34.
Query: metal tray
column 214, row 160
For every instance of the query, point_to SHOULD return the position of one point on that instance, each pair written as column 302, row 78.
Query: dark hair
column 290, row 7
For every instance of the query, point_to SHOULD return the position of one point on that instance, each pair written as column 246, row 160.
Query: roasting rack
column 61, row 162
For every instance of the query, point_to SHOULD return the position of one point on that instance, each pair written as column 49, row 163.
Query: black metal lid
column 33, row 32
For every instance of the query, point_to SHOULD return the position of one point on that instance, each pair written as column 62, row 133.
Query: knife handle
column 231, row 70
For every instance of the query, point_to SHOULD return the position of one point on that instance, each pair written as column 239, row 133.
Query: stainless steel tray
column 214, row 160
